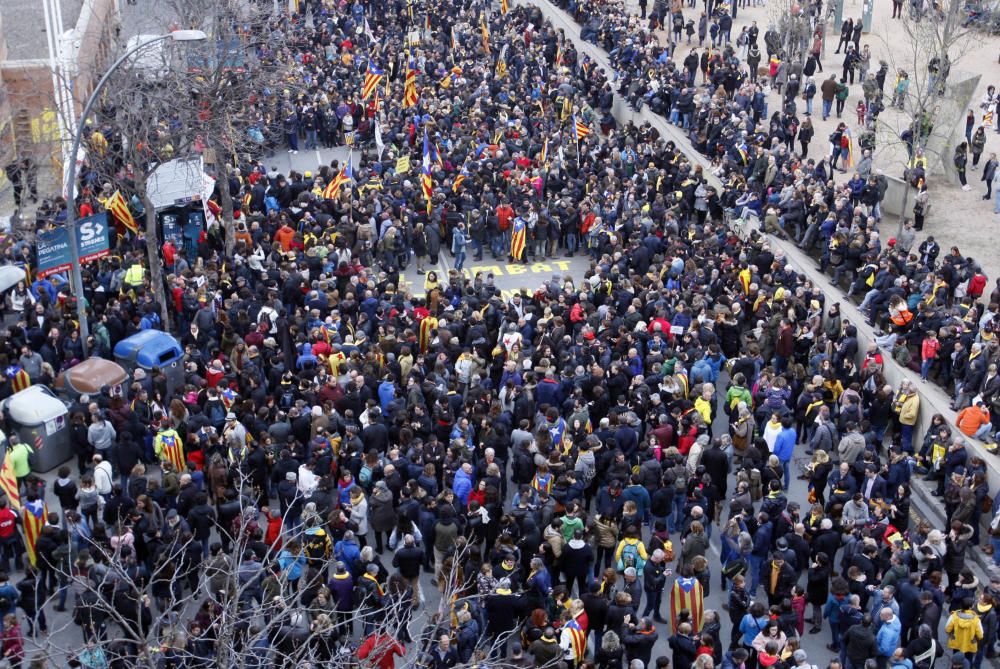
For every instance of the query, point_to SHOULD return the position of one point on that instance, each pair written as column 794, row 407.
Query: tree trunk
column 226, row 202
column 155, row 263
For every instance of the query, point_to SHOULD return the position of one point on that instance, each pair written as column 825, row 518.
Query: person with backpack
column 631, row 552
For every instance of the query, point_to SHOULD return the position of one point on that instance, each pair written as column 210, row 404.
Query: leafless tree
column 201, row 103
column 927, row 48
column 259, row 621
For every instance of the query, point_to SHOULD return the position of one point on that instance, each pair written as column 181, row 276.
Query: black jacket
column 859, row 643
column 202, row 520
column 408, row 561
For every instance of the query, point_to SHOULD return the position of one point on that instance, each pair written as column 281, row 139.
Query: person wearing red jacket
column 8, row 537
column 381, row 649
column 928, row 353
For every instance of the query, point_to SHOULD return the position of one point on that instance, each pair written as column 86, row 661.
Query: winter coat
column 965, row 631
column 381, row 514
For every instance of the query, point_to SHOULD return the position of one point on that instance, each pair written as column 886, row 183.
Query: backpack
column 680, row 480
column 668, row 551
column 286, row 398
column 216, row 414
column 631, row 558
column 365, row 476
column 734, row 567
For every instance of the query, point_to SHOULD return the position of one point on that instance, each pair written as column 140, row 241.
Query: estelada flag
column 8, row 484
column 578, row 638
column 518, row 238
column 173, row 450
column 119, row 209
column 19, row 379
column 687, row 593
column 372, row 78
column 34, row 514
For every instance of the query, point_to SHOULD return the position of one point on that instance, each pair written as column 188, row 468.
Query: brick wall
column 28, row 84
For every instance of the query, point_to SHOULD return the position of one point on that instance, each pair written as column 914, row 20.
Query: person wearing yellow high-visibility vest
column 135, row 274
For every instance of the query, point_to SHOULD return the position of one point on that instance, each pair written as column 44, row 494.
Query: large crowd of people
column 558, row 461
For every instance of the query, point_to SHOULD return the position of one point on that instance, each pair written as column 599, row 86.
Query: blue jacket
column 548, row 392
column 831, row 610
column 751, row 627
column 10, row 593
column 386, row 393
column 762, row 540
column 887, row 637
column 784, row 445
column 347, row 552
column 640, row 496
column 462, row 486
column 291, row 564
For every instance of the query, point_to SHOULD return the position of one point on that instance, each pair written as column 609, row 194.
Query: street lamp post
column 74, row 247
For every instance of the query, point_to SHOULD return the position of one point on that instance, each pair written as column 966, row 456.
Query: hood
column 966, row 619
column 577, row 544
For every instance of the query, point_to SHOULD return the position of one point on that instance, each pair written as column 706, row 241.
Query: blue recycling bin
column 152, row 348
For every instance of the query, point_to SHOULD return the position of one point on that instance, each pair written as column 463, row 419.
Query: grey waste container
column 41, row 420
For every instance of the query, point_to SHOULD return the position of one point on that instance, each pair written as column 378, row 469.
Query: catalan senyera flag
column 372, row 78
column 410, row 86
column 345, row 175
column 543, row 157
column 427, row 326
column 426, row 181
column 518, row 238
column 462, row 176
column 34, row 515
column 486, row 34
column 687, row 593
column 580, row 129
column 119, row 209
column 504, row 6
column 8, row 485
